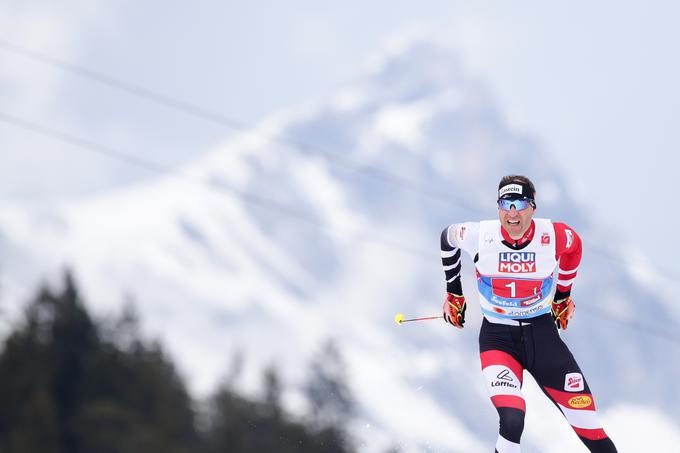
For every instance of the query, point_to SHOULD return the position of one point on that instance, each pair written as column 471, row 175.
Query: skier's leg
column 560, row 378
column 578, row 408
column 503, row 377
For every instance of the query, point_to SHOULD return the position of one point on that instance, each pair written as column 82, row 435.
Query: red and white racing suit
column 516, row 286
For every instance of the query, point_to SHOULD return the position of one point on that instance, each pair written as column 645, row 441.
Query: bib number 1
column 513, row 288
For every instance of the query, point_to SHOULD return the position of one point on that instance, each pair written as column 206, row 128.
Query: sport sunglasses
column 519, row 204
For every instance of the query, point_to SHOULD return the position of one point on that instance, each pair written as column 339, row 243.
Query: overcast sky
column 594, row 82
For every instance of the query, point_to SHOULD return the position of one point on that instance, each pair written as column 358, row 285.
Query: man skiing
column 515, row 258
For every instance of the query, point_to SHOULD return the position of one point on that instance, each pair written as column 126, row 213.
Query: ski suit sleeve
column 568, row 254
column 454, row 238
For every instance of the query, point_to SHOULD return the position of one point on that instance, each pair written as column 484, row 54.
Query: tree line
column 70, row 383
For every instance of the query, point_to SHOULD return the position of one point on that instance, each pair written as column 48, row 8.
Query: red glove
column 563, row 311
column 454, row 310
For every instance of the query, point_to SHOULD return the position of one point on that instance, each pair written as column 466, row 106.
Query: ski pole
column 399, row 318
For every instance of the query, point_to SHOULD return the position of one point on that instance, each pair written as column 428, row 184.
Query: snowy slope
column 324, row 222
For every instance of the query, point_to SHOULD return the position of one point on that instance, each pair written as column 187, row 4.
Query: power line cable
column 288, row 211
column 86, row 144
column 159, row 98
column 233, row 124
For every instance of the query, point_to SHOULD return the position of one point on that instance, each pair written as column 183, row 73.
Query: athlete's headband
column 515, row 190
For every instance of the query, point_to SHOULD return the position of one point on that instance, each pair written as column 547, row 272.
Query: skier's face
column 515, row 222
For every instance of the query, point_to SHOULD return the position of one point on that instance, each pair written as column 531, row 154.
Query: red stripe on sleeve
column 568, row 249
column 496, row 357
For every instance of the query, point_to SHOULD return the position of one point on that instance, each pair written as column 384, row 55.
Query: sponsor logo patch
column 510, row 188
column 570, row 237
column 573, row 382
column 501, row 380
column 532, row 300
column 545, row 239
column 495, row 300
column 517, row 262
column 579, row 402
column 511, row 384
column 525, row 314
column 461, row 232
column 504, row 375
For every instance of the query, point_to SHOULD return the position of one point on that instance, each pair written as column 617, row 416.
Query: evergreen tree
column 64, row 388
column 272, row 393
column 329, row 396
column 243, row 425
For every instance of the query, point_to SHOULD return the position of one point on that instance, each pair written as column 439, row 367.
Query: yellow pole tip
column 398, row 318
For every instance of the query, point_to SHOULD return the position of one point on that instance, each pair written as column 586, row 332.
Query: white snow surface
column 323, row 222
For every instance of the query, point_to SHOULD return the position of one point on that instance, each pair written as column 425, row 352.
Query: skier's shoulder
column 565, row 235
column 459, row 234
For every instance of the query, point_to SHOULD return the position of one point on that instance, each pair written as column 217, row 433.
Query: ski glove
column 454, row 309
column 563, row 311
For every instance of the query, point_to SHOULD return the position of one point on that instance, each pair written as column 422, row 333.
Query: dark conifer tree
column 329, row 396
column 247, row 425
column 65, row 388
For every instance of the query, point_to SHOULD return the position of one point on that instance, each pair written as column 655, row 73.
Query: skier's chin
column 513, row 228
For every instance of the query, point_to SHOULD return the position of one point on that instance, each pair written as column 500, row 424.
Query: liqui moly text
column 517, row 262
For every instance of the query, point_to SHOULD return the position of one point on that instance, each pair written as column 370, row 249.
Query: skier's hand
column 562, row 311
column 454, row 309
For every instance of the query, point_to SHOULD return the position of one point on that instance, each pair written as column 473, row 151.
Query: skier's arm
column 453, row 239
column 451, row 261
column 568, row 253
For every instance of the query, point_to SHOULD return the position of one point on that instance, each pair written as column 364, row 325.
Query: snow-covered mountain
column 324, row 222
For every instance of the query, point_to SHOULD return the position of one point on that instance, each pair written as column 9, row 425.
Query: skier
column 523, row 306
